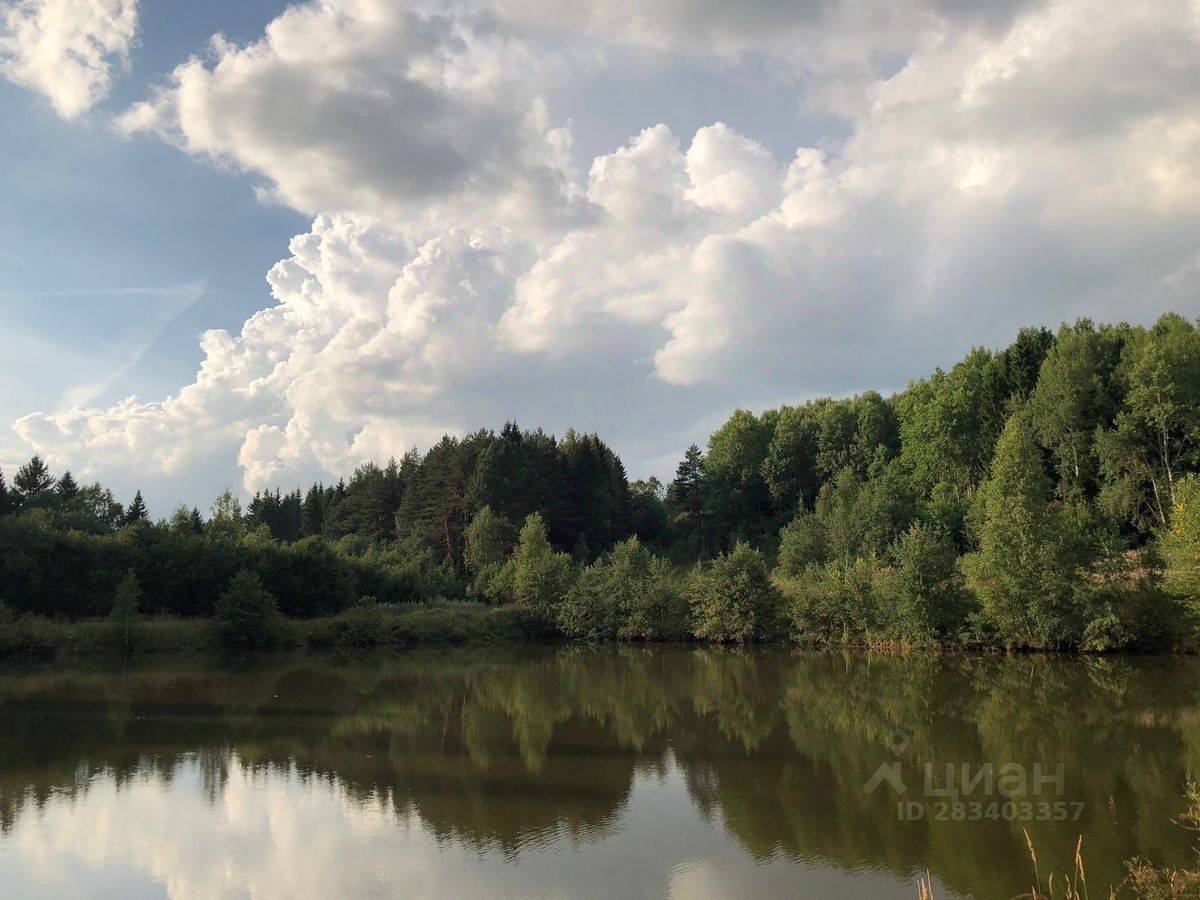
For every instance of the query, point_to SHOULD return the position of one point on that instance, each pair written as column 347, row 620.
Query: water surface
column 589, row 773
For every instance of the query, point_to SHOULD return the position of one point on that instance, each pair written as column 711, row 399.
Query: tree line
column 1040, row 496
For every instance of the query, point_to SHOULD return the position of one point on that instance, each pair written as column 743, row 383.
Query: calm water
column 566, row 773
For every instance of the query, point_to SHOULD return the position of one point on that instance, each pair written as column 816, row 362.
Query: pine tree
column 33, row 478
column 136, row 511
column 312, row 511
column 247, row 614
column 67, row 488
column 6, row 499
column 686, row 493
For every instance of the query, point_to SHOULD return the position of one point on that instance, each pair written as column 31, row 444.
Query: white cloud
column 1016, row 169
column 366, row 106
column 66, row 49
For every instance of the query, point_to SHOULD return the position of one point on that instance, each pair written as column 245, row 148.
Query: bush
column 922, row 598
column 628, row 595
column 30, row 637
column 247, row 615
column 833, row 604
column 733, row 600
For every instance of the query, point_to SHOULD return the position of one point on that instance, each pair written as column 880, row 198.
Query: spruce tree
column 33, row 479
column 686, row 495
column 67, row 488
column 312, row 511
column 136, row 512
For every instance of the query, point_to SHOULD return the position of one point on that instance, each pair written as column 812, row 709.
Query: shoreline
column 401, row 628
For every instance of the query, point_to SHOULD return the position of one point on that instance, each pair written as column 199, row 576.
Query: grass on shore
column 409, row 625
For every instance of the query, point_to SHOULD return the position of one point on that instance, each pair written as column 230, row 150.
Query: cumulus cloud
column 66, row 49
column 369, row 107
column 1018, row 169
column 756, row 25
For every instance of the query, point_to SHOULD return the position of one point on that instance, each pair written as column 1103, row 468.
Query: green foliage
column 540, row 574
column 488, row 540
column 733, row 600
column 921, row 598
column 630, row 594
column 225, row 522
column 1026, row 572
column 834, row 603
column 802, row 543
column 737, row 497
column 246, row 614
column 1074, row 396
column 790, row 466
column 124, row 614
column 1060, row 465
column 1155, row 437
column 1180, row 542
column 948, row 424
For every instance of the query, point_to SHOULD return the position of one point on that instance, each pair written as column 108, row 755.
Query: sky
column 246, row 244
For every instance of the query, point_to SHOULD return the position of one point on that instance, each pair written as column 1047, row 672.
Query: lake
column 575, row 772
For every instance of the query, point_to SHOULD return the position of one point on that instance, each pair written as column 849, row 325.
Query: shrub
column 628, row 595
column 834, row 603
column 733, row 600
column 922, row 597
column 247, row 615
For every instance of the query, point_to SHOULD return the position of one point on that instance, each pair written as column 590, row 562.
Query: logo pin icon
column 898, row 741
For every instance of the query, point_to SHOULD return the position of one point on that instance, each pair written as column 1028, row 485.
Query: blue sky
column 630, row 218
column 117, row 253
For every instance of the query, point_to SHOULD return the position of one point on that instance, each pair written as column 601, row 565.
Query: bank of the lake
column 408, row 626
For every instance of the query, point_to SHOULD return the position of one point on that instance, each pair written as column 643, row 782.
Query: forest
column 1044, row 496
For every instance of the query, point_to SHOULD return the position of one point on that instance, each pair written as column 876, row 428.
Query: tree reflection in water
column 514, row 752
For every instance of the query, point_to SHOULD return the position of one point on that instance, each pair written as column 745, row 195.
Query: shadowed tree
column 66, row 488
column 136, row 511
column 33, row 479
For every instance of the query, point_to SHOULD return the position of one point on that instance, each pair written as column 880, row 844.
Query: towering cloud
column 1021, row 164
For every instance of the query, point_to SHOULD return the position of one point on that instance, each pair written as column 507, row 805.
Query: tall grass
column 1145, row 881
